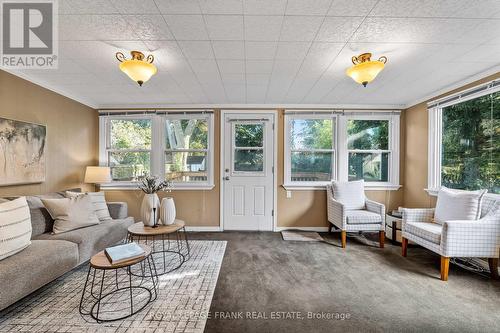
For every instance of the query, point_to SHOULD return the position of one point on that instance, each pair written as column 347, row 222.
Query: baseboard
column 317, row 229
column 203, row 229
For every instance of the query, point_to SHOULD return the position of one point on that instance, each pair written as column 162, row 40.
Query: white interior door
column 248, row 171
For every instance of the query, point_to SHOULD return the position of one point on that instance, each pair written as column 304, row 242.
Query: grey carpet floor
column 376, row 290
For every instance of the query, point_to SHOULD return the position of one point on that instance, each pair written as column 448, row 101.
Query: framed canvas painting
column 22, row 152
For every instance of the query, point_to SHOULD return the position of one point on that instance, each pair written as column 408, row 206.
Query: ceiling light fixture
column 138, row 69
column 365, row 70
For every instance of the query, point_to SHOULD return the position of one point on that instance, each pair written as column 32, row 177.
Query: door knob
column 226, row 178
column 227, row 170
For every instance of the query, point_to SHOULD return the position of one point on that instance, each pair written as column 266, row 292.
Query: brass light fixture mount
column 365, row 69
column 139, row 68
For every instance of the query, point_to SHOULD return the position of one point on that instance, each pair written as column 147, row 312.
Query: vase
column 149, row 202
column 167, row 211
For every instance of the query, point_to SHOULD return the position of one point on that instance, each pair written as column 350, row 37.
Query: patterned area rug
column 301, row 236
column 182, row 305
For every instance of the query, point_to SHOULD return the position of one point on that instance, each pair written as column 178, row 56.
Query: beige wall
column 72, row 133
column 416, row 139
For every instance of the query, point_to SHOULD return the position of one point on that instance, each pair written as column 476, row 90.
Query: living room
column 249, row 165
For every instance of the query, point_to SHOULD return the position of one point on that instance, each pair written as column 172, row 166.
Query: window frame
column 158, row 146
column 435, row 135
column 340, row 157
column 288, row 183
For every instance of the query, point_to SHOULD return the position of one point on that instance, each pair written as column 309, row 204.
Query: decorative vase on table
column 149, row 202
column 167, row 211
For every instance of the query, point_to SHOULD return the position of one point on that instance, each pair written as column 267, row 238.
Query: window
column 176, row 146
column 186, row 153
column 312, row 148
column 368, row 149
column 345, row 146
column 466, row 143
column 128, row 148
column 248, row 147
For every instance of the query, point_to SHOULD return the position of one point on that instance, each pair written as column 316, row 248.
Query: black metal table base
column 120, row 295
column 173, row 252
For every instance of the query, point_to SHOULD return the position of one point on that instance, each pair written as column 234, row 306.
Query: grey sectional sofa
column 50, row 256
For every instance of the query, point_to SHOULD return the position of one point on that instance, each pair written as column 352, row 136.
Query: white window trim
column 340, row 171
column 158, row 134
column 435, row 112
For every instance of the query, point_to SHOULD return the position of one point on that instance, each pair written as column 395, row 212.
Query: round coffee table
column 107, row 303
column 173, row 250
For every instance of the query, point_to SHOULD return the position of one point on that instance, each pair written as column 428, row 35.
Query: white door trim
column 221, row 162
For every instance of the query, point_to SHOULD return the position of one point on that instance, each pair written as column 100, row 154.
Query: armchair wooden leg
column 445, row 267
column 404, row 246
column 343, row 237
column 493, row 263
column 381, row 239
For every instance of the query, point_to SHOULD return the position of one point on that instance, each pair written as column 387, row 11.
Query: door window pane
column 130, row 133
column 372, row 167
column 249, row 135
column 311, row 166
column 249, row 160
column 187, row 134
column 311, row 134
column 186, row 166
column 129, row 166
column 471, row 144
column 368, row 134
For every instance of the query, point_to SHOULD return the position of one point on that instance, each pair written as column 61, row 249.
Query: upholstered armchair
column 456, row 238
column 350, row 211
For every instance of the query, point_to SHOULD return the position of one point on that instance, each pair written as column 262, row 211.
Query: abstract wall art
column 22, row 152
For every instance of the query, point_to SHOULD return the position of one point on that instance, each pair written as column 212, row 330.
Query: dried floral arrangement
column 151, row 184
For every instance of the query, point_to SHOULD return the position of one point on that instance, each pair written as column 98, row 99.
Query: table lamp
column 97, row 175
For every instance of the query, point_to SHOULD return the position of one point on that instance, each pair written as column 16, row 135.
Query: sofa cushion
column 98, row 202
column 362, row 217
column 15, row 227
column 458, row 205
column 428, row 231
column 35, row 266
column 71, row 213
column 93, row 239
column 350, row 194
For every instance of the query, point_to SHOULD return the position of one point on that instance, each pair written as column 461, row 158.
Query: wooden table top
column 101, row 261
column 139, row 229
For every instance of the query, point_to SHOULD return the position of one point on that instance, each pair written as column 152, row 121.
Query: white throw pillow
column 458, row 205
column 99, row 202
column 71, row 213
column 15, row 227
column 350, row 194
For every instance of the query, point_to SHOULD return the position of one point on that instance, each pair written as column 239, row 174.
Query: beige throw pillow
column 15, row 227
column 350, row 194
column 458, row 205
column 71, row 213
column 99, row 202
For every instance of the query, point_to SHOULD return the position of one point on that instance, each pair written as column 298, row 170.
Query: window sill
column 134, row 187
column 322, row 187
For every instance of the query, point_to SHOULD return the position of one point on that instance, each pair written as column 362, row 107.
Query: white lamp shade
column 97, row 175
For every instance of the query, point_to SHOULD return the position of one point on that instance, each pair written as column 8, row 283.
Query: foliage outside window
column 129, row 148
column 186, row 154
column 368, row 149
column 248, row 147
column 312, row 151
column 470, row 148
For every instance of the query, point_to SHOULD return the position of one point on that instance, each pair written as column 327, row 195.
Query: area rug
column 182, row 305
column 301, row 236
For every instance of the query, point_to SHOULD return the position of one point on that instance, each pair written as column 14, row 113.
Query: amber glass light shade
column 365, row 70
column 138, row 69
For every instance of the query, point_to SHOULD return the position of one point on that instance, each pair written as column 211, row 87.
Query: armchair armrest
column 418, row 215
column 479, row 238
column 118, row 210
column 375, row 207
column 335, row 210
